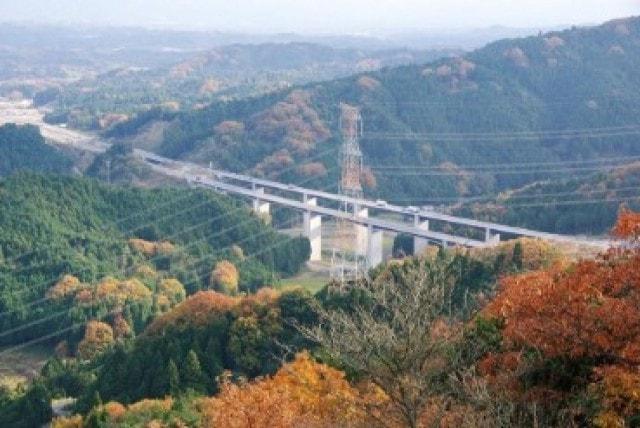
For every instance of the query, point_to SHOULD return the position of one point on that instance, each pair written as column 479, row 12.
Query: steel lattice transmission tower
column 350, row 153
column 346, row 265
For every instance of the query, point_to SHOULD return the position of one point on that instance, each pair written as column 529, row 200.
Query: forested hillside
column 585, row 205
column 119, row 165
column 511, row 335
column 222, row 73
column 547, row 99
column 73, row 249
column 424, row 342
column 201, row 345
column 23, row 148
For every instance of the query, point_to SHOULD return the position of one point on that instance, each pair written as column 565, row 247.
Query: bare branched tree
column 400, row 333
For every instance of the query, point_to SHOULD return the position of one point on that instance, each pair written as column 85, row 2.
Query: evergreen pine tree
column 159, row 382
column 192, row 375
column 38, row 404
column 173, row 377
column 212, row 360
column 517, row 256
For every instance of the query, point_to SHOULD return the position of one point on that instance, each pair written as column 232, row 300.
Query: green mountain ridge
column 23, row 148
column 51, row 226
column 441, row 119
column 585, row 205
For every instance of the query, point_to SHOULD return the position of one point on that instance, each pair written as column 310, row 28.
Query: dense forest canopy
column 164, row 307
column 23, row 148
column 200, row 345
column 116, row 238
column 580, row 205
column 516, row 335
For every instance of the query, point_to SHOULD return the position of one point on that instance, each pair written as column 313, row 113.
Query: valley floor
column 22, row 365
column 23, row 113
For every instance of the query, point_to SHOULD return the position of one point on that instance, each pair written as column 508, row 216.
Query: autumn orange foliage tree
column 173, row 290
column 151, row 249
column 620, row 391
column 301, row 393
column 197, row 310
column 628, row 225
column 97, row 337
column 590, row 311
column 67, row 286
column 584, row 317
column 118, row 291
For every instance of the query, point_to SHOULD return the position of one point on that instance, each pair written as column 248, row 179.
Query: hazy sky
column 326, row 16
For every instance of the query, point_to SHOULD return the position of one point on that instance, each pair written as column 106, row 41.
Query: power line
column 193, row 263
column 192, row 243
column 459, row 102
column 154, row 208
column 53, row 334
column 575, row 202
column 595, row 132
column 498, row 173
column 193, row 227
column 124, row 233
column 114, row 224
column 624, row 160
column 124, row 273
column 496, row 138
column 239, row 209
column 508, row 197
column 525, row 132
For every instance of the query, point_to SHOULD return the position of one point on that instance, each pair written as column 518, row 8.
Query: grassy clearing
column 309, row 280
column 23, row 365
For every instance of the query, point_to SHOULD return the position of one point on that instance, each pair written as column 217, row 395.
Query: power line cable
column 496, row 173
column 624, row 160
column 508, row 197
column 192, row 263
column 164, row 218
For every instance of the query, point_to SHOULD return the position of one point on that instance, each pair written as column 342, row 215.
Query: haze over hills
column 562, row 96
column 223, row 73
column 31, row 50
column 90, row 78
column 141, row 291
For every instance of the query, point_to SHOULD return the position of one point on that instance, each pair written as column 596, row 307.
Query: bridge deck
column 245, row 186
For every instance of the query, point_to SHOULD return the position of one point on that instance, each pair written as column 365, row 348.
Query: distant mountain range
column 40, row 51
column 218, row 74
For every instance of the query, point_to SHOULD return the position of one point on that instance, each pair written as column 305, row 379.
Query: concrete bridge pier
column 259, row 206
column 362, row 232
column 420, row 244
column 313, row 230
column 374, row 247
column 491, row 238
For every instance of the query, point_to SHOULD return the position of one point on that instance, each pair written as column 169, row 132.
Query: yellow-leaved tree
column 98, row 336
column 225, row 278
column 67, row 286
